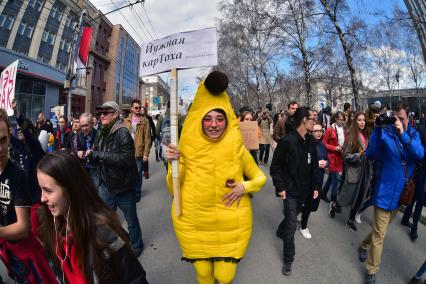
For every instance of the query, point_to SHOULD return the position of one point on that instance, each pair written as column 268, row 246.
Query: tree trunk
column 346, row 49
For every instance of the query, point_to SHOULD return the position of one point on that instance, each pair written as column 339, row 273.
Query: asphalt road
column 329, row 257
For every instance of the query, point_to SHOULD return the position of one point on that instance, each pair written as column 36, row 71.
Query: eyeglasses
column 137, row 107
column 105, row 113
column 217, row 120
column 84, row 125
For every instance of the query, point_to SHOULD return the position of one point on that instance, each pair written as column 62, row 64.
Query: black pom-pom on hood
column 216, row 82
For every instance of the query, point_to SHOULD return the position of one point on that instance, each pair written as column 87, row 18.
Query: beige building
column 155, row 92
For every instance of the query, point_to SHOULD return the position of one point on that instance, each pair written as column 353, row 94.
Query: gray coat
column 358, row 173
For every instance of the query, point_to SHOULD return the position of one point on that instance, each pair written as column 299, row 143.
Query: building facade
column 101, row 61
column 417, row 10
column 38, row 34
column 122, row 76
column 155, row 92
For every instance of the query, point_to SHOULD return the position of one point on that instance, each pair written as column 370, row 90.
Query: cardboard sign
column 250, row 133
column 7, row 86
column 182, row 50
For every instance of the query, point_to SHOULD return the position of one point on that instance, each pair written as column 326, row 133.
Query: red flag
column 83, row 50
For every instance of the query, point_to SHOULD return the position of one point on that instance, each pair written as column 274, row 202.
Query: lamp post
column 397, row 76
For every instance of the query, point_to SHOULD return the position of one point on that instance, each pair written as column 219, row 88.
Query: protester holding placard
column 216, row 221
column 248, row 116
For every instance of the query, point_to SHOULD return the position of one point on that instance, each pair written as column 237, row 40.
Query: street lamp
column 397, row 76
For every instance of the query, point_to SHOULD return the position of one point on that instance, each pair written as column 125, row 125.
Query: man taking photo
column 396, row 146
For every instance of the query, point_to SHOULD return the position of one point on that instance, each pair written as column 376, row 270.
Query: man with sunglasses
column 114, row 158
column 140, row 130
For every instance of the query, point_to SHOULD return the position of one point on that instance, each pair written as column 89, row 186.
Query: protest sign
column 250, row 133
column 7, row 86
column 182, row 50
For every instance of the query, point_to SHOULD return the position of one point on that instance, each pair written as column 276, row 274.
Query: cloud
column 167, row 17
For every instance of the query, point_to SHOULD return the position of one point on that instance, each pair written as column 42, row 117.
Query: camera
column 383, row 119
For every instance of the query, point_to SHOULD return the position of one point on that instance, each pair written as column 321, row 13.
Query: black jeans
column 288, row 227
column 264, row 148
column 254, row 155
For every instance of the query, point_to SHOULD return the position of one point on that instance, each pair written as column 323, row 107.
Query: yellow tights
column 207, row 272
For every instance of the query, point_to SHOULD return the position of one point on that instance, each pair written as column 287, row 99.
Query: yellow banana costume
column 207, row 230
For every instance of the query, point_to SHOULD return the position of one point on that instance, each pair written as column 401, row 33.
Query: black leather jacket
column 114, row 157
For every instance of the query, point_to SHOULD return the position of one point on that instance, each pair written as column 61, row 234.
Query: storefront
column 38, row 85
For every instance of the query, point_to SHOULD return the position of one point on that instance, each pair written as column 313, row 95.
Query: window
column 67, row 47
column 45, row 36
column 51, row 38
column 62, row 44
column 2, row 19
column 59, row 15
column 36, row 4
column 53, row 11
column 21, row 29
column 29, row 31
column 68, row 22
column 8, row 23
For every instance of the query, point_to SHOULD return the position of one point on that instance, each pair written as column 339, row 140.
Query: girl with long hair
column 357, row 169
column 334, row 139
column 83, row 237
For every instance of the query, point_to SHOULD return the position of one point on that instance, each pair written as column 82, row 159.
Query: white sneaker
column 305, row 233
column 358, row 218
column 299, row 217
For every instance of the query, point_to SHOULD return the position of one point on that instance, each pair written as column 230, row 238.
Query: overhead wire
column 128, row 22
column 142, row 25
column 149, row 21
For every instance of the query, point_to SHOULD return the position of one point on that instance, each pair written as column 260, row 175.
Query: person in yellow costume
column 216, row 222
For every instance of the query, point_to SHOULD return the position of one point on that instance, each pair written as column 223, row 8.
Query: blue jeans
column 421, row 271
column 139, row 163
column 335, row 180
column 418, row 200
column 126, row 201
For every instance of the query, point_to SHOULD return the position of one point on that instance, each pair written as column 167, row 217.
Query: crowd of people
column 61, row 183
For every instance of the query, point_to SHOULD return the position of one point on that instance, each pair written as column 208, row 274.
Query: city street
column 329, row 257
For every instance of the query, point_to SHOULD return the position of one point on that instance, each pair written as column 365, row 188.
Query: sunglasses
column 137, row 107
column 105, row 113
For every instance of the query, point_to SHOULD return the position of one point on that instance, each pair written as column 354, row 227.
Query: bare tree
column 295, row 24
column 384, row 57
column 246, row 36
column 347, row 32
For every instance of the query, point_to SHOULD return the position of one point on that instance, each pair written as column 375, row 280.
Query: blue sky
column 172, row 16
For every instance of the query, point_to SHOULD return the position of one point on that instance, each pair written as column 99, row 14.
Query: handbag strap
column 403, row 162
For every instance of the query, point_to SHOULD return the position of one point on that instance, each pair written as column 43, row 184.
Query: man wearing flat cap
column 114, row 157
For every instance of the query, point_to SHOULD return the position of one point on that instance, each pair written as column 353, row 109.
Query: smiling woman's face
column 214, row 124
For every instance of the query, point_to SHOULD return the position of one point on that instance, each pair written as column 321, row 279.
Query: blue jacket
column 386, row 147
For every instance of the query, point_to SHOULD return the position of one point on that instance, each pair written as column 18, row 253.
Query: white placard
column 182, row 50
column 7, row 86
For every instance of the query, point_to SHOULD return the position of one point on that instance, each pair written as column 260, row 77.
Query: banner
column 7, row 86
column 182, row 50
column 250, row 133
column 82, row 50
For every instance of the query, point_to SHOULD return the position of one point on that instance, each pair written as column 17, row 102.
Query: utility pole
column 70, row 75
